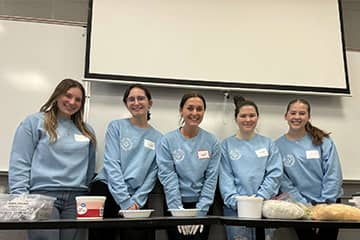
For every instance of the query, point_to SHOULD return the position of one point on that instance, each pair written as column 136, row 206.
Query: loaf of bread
column 335, row 211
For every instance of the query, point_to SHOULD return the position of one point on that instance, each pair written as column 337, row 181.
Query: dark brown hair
column 142, row 87
column 239, row 102
column 317, row 134
column 185, row 97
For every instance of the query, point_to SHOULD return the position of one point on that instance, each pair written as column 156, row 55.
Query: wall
column 332, row 113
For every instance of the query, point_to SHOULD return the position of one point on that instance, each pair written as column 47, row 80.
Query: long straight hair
column 51, row 109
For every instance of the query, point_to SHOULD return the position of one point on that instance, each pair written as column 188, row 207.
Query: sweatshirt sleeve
column 226, row 180
column 112, row 167
column 288, row 187
column 273, row 172
column 141, row 194
column 211, row 177
column 332, row 179
column 23, row 148
column 167, row 174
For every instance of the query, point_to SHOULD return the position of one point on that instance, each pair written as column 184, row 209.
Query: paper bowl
column 190, row 212
column 90, row 207
column 141, row 213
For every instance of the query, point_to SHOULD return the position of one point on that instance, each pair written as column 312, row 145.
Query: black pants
column 173, row 233
column 111, row 210
column 318, row 233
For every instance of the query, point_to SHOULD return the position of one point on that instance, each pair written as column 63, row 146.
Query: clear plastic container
column 25, row 207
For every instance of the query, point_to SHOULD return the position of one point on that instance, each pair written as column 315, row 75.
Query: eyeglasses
column 138, row 98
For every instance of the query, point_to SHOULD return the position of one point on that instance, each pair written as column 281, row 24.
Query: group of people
column 53, row 154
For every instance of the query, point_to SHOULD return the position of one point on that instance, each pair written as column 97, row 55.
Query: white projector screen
column 278, row 45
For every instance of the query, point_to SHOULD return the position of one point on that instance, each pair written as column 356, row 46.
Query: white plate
column 141, row 213
column 190, row 212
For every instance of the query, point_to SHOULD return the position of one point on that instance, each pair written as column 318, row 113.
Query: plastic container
column 249, row 207
column 355, row 200
column 141, row 213
column 90, row 207
column 25, row 207
column 190, row 212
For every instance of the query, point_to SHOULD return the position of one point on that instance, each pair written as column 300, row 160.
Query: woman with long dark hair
column 312, row 171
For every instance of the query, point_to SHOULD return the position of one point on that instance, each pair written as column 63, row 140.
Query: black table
column 166, row 222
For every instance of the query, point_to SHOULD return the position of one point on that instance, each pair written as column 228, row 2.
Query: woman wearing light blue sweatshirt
column 188, row 160
column 130, row 171
column 251, row 165
column 312, row 170
column 53, row 153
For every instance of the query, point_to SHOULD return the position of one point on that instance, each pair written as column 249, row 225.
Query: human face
column 247, row 119
column 137, row 103
column 70, row 102
column 193, row 111
column 297, row 116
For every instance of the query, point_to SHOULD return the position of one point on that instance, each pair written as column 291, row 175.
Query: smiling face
column 247, row 119
column 138, row 103
column 297, row 116
column 193, row 111
column 69, row 102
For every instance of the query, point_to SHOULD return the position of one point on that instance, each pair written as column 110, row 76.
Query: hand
column 195, row 228
column 184, row 229
column 134, row 207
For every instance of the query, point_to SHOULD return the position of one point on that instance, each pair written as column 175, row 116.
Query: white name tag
column 149, row 144
column 203, row 154
column 312, row 154
column 81, row 138
column 262, row 152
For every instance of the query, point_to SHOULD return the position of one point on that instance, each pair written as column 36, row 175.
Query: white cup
column 249, row 207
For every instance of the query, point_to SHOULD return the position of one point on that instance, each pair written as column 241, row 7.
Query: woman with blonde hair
column 53, row 154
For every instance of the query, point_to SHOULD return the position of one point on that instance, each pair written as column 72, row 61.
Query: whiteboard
column 273, row 45
column 34, row 58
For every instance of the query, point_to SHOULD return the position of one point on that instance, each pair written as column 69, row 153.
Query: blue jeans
column 241, row 232
column 64, row 208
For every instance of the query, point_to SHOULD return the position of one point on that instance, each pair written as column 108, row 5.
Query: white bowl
column 141, row 213
column 190, row 212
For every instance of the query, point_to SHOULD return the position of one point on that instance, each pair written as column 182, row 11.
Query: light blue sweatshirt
column 249, row 167
column 311, row 173
column 130, row 169
column 36, row 164
column 188, row 168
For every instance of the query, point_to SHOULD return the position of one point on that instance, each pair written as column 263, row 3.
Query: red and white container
column 90, row 207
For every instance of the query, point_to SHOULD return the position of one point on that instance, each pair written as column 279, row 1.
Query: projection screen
column 278, row 45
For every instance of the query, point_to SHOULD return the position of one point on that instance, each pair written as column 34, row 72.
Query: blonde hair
column 50, row 109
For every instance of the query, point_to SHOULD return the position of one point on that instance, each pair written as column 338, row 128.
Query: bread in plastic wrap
column 335, row 211
column 282, row 210
column 25, row 207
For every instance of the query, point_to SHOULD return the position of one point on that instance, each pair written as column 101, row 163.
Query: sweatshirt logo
column 234, row 155
column 289, row 160
column 178, row 155
column 126, row 143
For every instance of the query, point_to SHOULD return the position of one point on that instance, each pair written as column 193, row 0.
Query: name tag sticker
column 81, row 138
column 262, row 152
column 203, row 154
column 149, row 144
column 312, row 154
